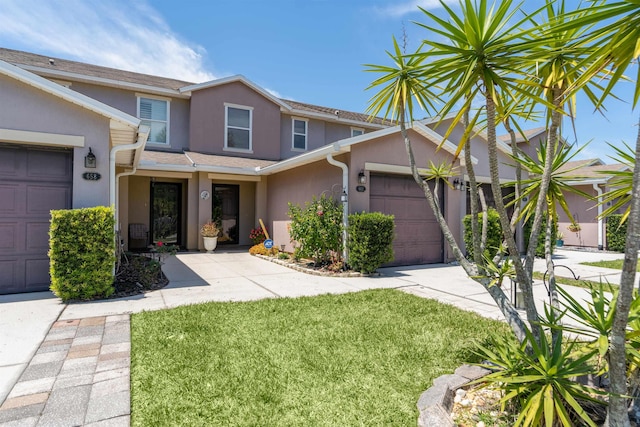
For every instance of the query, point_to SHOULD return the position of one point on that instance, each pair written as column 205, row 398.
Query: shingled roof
column 47, row 65
column 43, row 64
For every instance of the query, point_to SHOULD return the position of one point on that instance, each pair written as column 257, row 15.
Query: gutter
column 345, row 202
column 600, row 221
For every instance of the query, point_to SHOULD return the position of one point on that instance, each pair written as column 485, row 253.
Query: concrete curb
column 297, row 267
column 436, row 403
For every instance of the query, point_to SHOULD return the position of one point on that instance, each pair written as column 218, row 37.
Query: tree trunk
column 618, row 416
column 524, row 280
column 508, row 310
column 473, row 198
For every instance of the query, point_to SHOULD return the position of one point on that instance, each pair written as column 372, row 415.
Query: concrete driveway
column 238, row 276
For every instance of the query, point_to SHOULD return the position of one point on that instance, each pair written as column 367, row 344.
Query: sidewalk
column 76, row 372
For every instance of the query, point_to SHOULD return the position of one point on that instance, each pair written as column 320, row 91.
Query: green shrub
column 370, row 241
column 82, row 253
column 317, row 230
column 616, row 233
column 541, row 236
column 494, row 232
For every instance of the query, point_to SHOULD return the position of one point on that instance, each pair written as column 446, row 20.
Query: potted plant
column 560, row 240
column 210, row 231
column 574, row 227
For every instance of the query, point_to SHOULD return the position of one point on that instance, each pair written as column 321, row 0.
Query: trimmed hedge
column 616, row 234
column 370, row 240
column 541, row 236
column 494, row 232
column 82, row 253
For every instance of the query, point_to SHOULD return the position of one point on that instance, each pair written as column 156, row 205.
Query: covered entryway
column 418, row 237
column 33, row 181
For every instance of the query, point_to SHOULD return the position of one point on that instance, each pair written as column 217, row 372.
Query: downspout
column 143, row 134
column 345, row 204
column 600, row 222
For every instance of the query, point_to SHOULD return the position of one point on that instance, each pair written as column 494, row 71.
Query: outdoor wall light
column 90, row 160
column 343, row 197
column 362, row 178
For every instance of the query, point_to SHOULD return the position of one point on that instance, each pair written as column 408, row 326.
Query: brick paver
column 79, row 376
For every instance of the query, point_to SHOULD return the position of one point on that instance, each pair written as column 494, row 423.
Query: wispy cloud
column 404, row 8
column 118, row 33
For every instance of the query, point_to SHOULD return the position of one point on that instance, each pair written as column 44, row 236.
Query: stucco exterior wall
column 207, row 123
column 584, row 213
column 127, row 101
column 298, row 186
column 28, row 109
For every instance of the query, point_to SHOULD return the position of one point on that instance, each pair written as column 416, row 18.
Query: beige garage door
column 32, row 182
column 418, row 237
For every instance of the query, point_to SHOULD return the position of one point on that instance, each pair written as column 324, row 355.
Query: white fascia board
column 105, row 82
column 487, row 180
column 590, row 181
column 165, row 167
column 41, row 138
column 436, row 119
column 68, row 94
column 436, row 138
column 236, row 78
column 226, row 170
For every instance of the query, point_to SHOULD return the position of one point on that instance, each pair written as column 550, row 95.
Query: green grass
column 615, row 264
column 580, row 283
column 332, row 360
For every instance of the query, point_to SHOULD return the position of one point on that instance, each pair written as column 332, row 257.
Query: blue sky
column 307, row 50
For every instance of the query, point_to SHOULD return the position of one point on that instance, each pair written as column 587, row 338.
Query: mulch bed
column 138, row 274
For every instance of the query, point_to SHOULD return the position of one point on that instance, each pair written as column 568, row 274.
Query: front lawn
column 615, row 264
column 332, row 360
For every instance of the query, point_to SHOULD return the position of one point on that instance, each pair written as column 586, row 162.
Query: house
column 169, row 155
column 592, row 177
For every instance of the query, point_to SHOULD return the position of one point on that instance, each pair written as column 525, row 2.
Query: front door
column 166, row 212
column 225, row 205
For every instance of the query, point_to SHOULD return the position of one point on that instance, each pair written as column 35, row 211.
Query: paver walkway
column 78, row 376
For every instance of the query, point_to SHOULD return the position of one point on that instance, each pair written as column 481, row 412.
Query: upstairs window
column 238, row 128
column 299, row 138
column 357, row 132
column 155, row 114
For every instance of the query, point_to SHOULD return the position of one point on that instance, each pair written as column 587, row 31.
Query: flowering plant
column 209, row 229
column 257, row 235
column 574, row 226
column 162, row 251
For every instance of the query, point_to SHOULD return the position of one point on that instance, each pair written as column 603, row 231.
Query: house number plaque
column 91, row 176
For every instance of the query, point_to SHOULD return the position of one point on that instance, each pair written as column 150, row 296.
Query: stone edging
column 436, row 403
column 298, row 267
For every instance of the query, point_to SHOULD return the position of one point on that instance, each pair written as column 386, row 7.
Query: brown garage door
column 32, row 182
column 418, row 237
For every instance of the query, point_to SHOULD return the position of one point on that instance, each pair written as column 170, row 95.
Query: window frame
column 356, row 129
column 293, row 133
column 227, row 127
column 140, row 96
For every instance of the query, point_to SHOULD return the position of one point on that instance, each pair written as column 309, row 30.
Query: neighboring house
column 591, row 177
column 171, row 155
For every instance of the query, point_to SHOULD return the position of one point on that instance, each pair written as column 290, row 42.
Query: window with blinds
column 155, row 114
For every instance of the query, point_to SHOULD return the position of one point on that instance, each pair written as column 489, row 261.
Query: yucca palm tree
column 618, row 46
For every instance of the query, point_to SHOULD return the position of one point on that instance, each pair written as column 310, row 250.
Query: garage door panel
column 41, row 199
column 48, row 164
column 37, row 236
column 9, row 163
column 37, row 274
column 8, row 236
column 34, row 181
column 9, row 277
column 10, row 197
column 418, row 238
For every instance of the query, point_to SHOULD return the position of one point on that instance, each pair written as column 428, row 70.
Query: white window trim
column 226, row 126
column 293, row 133
column 356, row 129
column 159, row 98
